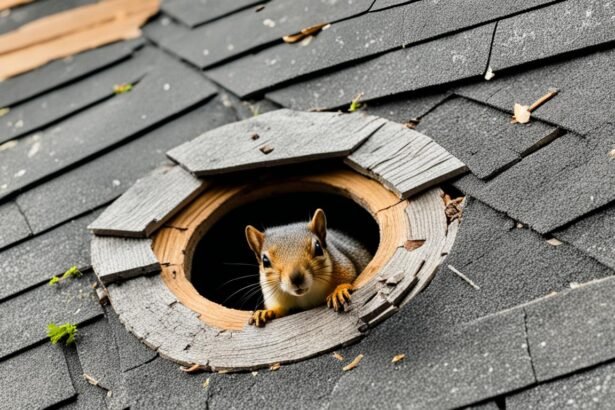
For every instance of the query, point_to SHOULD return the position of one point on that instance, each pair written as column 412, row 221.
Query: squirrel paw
column 260, row 317
column 339, row 297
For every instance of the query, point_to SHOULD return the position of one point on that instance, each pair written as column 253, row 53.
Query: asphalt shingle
column 168, row 90
column 573, row 330
column 483, row 137
column 406, row 107
column 584, row 101
column 594, row 235
column 246, row 30
column 13, row 223
column 63, row 71
column 437, row 62
column 38, row 378
column 194, row 13
column 89, row 397
column 25, row 318
column 103, row 179
column 545, row 190
column 593, row 389
column 557, row 29
column 51, row 253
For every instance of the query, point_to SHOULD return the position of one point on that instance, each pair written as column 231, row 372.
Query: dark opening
column 224, row 269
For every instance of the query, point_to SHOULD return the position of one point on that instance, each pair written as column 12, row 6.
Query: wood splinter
column 195, row 368
column 306, row 32
column 464, row 277
column 522, row 113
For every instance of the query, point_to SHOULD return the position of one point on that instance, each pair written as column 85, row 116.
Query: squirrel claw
column 339, row 297
column 260, row 317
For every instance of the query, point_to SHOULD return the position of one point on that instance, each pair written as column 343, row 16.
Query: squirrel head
column 292, row 257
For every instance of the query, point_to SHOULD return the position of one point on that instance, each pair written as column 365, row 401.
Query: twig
column 93, row 381
column 464, row 277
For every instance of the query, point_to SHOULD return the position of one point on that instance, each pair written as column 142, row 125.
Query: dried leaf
column 353, row 364
column 398, row 358
column 453, row 207
column 522, row 114
column 306, row 32
column 275, row 367
column 338, row 356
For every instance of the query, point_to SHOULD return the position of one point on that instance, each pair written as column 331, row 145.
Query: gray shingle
column 63, row 71
column 169, row 89
column 407, row 107
column 583, row 103
column 483, row 137
column 560, row 28
column 194, row 13
column 594, row 235
column 37, row 378
column 132, row 352
column 104, row 178
column 573, row 330
column 73, row 97
column 282, row 137
column 357, row 38
column 25, row 318
column 246, row 30
column 148, row 204
column 14, row 225
column 436, row 62
column 89, row 397
column 52, row 253
column 555, row 185
column 457, row 367
column 593, row 389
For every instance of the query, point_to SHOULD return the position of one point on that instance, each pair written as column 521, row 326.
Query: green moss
column 66, row 331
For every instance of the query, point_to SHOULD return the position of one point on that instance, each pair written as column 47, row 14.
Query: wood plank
column 122, row 258
column 7, row 4
column 275, row 138
column 72, row 21
column 148, row 204
column 405, row 161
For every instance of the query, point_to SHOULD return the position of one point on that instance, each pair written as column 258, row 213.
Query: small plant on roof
column 355, row 104
column 4, row 111
column 72, row 272
column 57, row 333
column 122, row 88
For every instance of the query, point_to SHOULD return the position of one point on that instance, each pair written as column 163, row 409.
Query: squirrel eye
column 266, row 262
column 318, row 249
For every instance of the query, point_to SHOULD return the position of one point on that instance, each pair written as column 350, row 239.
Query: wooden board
column 148, row 204
column 405, row 161
column 275, row 138
column 122, row 258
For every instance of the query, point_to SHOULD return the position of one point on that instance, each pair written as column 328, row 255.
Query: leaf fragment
column 398, row 358
column 122, row 88
column 355, row 362
column 338, row 356
column 306, row 32
column 275, row 366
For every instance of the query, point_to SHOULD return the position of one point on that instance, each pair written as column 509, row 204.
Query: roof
column 537, row 234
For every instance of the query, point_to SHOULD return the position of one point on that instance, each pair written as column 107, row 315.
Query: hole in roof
column 224, row 269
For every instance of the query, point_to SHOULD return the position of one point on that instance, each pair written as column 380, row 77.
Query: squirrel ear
column 318, row 224
column 255, row 240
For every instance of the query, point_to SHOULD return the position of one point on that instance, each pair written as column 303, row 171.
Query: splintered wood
column 522, row 113
column 64, row 34
column 353, row 364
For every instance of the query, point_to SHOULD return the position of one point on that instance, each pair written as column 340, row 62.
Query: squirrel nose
column 297, row 278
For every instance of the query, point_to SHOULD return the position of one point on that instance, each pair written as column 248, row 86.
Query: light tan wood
column 71, row 32
column 7, row 4
column 174, row 244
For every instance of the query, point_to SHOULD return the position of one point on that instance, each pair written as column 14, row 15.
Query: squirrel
column 303, row 265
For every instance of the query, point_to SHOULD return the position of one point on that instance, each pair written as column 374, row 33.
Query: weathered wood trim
column 122, row 258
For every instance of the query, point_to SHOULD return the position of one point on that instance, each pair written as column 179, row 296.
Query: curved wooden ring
column 174, row 244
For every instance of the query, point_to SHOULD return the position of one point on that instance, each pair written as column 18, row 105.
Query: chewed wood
column 174, row 244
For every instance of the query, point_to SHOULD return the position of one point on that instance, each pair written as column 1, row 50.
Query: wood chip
column 612, row 153
column 195, row 368
column 464, row 277
column 266, row 149
column 411, row 245
column 275, row 367
column 489, row 74
column 398, row 358
column 522, row 113
column 206, row 383
column 338, row 356
column 93, row 381
column 306, row 32
column 554, row 242
column 353, row 364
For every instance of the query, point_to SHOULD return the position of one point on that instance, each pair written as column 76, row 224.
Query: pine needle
column 57, row 333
